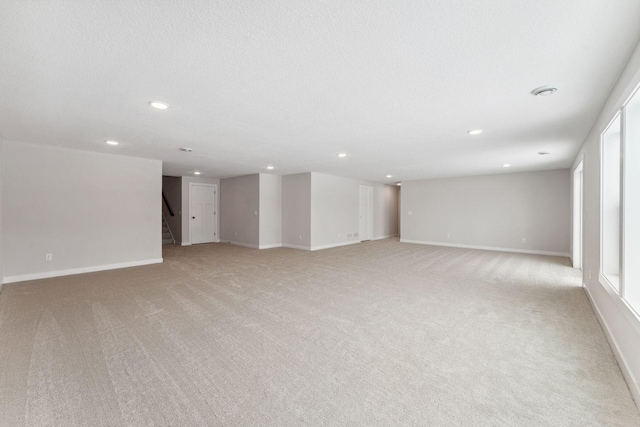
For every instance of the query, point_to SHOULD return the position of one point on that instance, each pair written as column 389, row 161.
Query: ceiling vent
column 544, row 91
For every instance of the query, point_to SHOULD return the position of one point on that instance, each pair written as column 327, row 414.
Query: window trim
column 602, row 278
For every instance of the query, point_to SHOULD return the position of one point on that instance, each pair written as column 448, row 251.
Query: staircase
column 167, row 239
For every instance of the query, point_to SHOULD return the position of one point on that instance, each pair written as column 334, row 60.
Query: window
column 620, row 204
column 610, row 216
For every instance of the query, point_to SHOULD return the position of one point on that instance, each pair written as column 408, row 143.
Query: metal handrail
column 166, row 203
column 164, row 218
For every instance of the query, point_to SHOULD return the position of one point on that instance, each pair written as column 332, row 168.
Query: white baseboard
column 185, row 243
column 634, row 386
column 333, row 245
column 246, row 245
column 388, row 236
column 275, row 245
column 58, row 273
column 304, row 248
column 487, row 248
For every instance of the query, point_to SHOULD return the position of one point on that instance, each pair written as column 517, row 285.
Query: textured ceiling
column 394, row 84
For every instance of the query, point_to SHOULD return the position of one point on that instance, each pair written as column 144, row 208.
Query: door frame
column 369, row 189
column 578, row 212
column 215, row 219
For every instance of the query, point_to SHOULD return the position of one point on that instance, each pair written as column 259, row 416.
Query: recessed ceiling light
column 506, row 165
column 543, row 153
column 475, row 132
column 159, row 105
column 269, row 167
column 389, row 176
column 342, row 155
column 186, row 150
column 398, row 184
column 196, row 173
column 112, row 142
column 544, row 91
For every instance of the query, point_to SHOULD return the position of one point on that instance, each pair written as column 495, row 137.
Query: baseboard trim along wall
column 275, row 245
column 634, row 386
column 388, row 236
column 333, row 245
column 304, row 248
column 58, row 273
column 487, row 248
column 246, row 245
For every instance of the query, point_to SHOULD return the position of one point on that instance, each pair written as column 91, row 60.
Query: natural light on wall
column 610, row 256
column 631, row 202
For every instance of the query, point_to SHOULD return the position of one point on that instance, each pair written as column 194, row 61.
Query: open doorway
column 577, row 215
column 366, row 213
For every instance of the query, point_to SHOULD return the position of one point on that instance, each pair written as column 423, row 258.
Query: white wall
column 240, row 209
column 620, row 324
column 184, row 211
column 296, row 211
column 270, row 211
column 491, row 211
column 1, row 180
column 335, row 210
column 91, row 211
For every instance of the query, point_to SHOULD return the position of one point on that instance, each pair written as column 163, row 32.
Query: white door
column 366, row 213
column 202, row 213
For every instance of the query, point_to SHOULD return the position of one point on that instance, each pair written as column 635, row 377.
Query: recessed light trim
column 196, row 173
column 270, row 167
column 389, row 176
column 475, row 132
column 342, row 154
column 186, row 149
column 159, row 105
column 544, row 91
column 506, row 165
column 111, row 142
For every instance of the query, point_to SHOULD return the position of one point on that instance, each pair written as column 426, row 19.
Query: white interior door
column 366, row 213
column 202, row 213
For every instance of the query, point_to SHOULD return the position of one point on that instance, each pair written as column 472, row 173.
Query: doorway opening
column 578, row 182
column 366, row 213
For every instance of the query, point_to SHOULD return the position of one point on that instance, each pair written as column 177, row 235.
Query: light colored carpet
column 379, row 333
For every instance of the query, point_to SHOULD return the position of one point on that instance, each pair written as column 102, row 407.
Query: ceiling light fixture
column 475, row 132
column 342, row 155
column 544, row 91
column 398, row 184
column 543, row 153
column 186, row 150
column 506, row 165
column 196, row 173
column 159, row 105
column 389, row 176
column 269, row 167
column 112, row 142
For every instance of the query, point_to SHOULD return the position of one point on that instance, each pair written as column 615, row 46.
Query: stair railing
column 164, row 218
column 166, row 203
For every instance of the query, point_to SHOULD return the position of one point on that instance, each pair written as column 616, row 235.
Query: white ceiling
column 394, row 84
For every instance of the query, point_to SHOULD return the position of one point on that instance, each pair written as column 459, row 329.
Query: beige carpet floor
column 374, row 334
